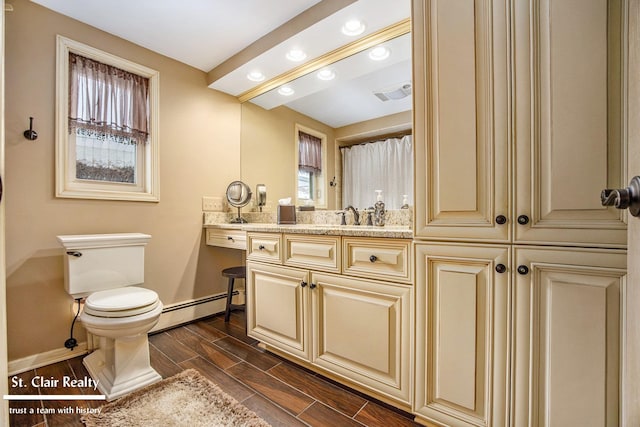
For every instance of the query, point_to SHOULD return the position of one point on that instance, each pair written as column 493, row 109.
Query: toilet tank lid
column 84, row 241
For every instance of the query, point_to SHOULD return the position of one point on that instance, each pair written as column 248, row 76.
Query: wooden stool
column 233, row 273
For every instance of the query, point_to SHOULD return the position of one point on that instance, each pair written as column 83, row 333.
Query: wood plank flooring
column 278, row 391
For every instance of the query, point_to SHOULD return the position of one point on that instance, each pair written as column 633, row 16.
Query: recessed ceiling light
column 379, row 53
column 353, row 27
column 326, row 74
column 255, row 76
column 296, row 55
column 286, row 91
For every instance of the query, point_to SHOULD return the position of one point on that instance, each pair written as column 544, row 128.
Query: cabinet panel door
column 567, row 311
column 363, row 331
column 277, row 307
column 569, row 117
column 461, row 123
column 462, row 306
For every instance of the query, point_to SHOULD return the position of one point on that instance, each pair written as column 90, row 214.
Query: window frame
column 67, row 186
column 320, row 183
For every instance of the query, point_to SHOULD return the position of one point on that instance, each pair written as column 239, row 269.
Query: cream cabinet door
column 462, row 327
column 462, row 126
column 278, row 307
column 363, row 332
column 567, row 327
column 569, row 121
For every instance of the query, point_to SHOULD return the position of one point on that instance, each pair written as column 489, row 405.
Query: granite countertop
column 391, row 231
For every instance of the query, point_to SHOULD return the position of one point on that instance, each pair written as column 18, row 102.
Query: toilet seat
column 121, row 302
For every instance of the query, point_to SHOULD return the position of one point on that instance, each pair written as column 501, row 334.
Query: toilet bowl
column 103, row 270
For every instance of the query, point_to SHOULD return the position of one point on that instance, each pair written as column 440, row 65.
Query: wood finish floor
column 278, row 391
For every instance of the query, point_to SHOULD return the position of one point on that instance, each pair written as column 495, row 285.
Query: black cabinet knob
column 312, row 285
column 373, row 258
column 261, row 247
column 523, row 220
column 501, row 219
column 500, row 268
column 303, row 284
column 523, row 269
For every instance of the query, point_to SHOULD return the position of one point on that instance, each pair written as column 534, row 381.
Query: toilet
column 104, row 270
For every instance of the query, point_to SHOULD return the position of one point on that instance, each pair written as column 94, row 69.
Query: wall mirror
column 351, row 99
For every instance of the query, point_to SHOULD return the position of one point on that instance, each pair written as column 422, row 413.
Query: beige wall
column 199, row 155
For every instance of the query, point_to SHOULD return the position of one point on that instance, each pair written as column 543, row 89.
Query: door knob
column 623, row 198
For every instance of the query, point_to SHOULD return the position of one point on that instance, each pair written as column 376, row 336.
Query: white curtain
column 382, row 165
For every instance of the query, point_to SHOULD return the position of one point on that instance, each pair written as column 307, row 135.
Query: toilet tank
column 95, row 262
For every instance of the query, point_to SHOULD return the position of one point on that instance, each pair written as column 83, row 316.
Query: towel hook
column 30, row 134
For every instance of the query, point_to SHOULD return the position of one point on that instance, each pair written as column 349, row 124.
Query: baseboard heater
column 184, row 312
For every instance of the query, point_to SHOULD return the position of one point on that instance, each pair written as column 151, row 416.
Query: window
column 106, row 126
column 311, row 166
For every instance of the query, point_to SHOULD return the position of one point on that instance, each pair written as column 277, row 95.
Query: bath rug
column 186, row 399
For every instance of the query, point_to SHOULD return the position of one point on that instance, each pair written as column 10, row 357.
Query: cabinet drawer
column 378, row 258
column 315, row 252
column 264, row 247
column 235, row 239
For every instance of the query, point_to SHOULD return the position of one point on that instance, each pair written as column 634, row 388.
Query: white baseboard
column 172, row 315
column 24, row 364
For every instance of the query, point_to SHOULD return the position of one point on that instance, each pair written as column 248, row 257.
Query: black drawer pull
column 261, row 247
column 373, row 258
column 500, row 268
column 501, row 219
column 523, row 269
column 523, row 220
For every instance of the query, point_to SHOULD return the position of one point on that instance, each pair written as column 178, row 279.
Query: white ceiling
column 205, row 33
column 200, row 33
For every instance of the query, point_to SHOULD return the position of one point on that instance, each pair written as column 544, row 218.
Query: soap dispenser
column 378, row 210
column 405, row 202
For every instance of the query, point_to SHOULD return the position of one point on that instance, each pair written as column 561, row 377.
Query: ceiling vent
column 394, row 92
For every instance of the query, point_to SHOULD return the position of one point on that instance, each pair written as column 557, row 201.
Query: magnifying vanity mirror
column 238, row 196
column 366, row 101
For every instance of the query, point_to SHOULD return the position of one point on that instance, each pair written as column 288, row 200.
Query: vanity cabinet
column 503, row 106
column 356, row 330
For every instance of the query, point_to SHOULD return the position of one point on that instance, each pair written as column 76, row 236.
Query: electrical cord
column 72, row 342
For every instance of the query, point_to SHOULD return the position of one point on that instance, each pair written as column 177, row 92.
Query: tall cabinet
column 519, row 123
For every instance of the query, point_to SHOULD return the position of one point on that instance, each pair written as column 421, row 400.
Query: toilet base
column 121, row 366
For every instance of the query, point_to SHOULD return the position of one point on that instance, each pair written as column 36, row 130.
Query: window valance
column 105, row 101
column 309, row 152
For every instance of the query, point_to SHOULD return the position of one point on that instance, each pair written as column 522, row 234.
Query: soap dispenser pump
column 378, row 210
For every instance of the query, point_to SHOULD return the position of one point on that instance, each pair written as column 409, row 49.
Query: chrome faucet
column 356, row 215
